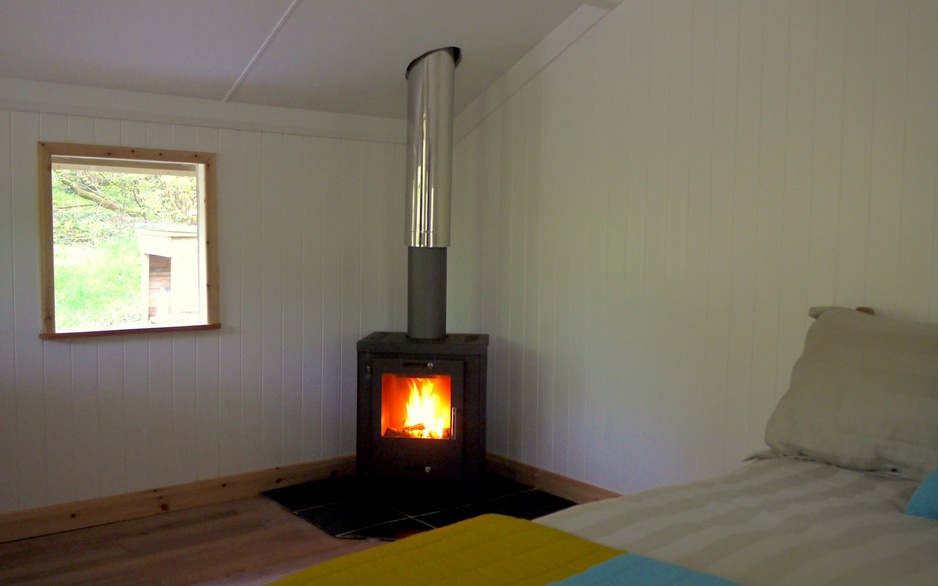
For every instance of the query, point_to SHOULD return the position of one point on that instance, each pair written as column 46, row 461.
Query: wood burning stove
column 421, row 395
column 421, row 407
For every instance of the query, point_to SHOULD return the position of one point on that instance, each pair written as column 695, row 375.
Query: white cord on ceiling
column 263, row 47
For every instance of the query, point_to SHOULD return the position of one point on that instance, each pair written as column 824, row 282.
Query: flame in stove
column 427, row 413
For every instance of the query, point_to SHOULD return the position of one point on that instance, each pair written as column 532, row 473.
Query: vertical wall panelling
column 639, row 449
column 107, row 131
column 351, row 312
column 111, row 452
column 207, row 422
column 581, row 198
column 728, row 165
column 464, row 296
column 251, row 311
column 291, row 406
column 876, row 80
column 185, row 434
column 833, row 32
column 919, row 204
column 137, row 413
column 62, row 404
column 517, row 193
column 550, row 237
column 770, row 183
column 399, row 276
column 230, row 198
column 489, row 250
column 160, row 413
column 598, row 414
column 923, row 170
column 745, row 220
column 715, row 288
column 82, row 128
column 676, row 406
column 800, row 117
column 8, row 400
column 562, row 198
column 31, row 454
column 531, row 265
column 383, row 269
column 311, row 210
column 398, row 281
column 855, row 194
column 274, row 386
column 368, row 224
column 383, row 218
column 612, row 413
column 501, row 328
column 698, row 416
column 272, row 271
column 332, row 297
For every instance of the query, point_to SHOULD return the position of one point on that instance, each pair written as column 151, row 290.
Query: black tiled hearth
column 351, row 508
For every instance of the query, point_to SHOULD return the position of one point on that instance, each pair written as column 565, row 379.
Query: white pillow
column 863, row 395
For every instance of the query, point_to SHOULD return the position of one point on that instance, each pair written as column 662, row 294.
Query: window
column 127, row 240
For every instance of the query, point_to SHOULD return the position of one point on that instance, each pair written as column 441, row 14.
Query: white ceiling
column 346, row 56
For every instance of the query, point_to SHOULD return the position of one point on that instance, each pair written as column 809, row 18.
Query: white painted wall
column 657, row 208
column 311, row 258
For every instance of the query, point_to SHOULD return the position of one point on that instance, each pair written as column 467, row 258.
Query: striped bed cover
column 775, row 522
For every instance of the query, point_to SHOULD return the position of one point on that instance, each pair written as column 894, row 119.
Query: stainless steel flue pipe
column 429, row 183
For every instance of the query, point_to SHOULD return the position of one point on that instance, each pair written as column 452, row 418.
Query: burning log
column 409, row 431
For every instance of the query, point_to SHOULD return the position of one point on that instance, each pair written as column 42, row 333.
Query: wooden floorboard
column 244, row 542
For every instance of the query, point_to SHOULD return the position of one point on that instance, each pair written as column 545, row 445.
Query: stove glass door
column 417, row 406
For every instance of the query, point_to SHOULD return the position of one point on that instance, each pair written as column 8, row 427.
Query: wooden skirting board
column 144, row 503
column 123, row 507
column 550, row 482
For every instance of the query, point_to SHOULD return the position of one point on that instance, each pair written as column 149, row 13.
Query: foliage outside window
column 127, row 240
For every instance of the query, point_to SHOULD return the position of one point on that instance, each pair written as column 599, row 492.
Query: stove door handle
column 417, row 364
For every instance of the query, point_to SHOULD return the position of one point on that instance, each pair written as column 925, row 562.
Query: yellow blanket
column 489, row 550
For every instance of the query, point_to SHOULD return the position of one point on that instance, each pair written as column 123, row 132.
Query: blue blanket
column 635, row 569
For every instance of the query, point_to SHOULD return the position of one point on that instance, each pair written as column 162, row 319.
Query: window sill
column 99, row 333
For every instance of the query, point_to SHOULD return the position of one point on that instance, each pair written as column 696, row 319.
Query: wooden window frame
column 111, row 156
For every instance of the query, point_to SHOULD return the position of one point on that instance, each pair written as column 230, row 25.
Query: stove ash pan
column 421, row 407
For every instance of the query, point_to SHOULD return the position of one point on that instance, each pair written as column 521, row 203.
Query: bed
column 847, row 493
